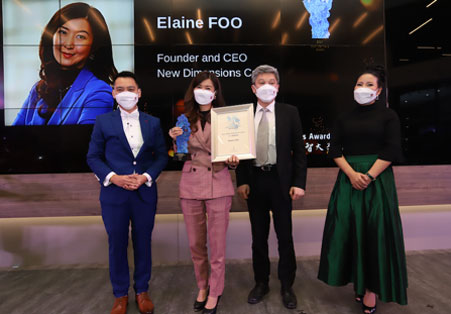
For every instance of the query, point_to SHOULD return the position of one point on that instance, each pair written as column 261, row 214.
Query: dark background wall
column 317, row 76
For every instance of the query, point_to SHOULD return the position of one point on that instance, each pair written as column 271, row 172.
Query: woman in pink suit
column 206, row 192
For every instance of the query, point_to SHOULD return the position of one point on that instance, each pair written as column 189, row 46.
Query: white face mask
column 127, row 100
column 364, row 95
column 266, row 93
column 203, row 97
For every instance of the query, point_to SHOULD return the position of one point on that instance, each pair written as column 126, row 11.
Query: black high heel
column 199, row 305
column 213, row 310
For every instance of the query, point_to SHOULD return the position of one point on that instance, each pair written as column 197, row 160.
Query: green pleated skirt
column 363, row 241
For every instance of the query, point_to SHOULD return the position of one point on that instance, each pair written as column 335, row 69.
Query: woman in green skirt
column 363, row 240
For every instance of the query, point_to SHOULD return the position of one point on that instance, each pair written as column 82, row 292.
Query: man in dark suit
column 271, row 181
column 127, row 152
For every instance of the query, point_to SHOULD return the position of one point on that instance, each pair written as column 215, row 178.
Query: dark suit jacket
column 291, row 161
column 109, row 151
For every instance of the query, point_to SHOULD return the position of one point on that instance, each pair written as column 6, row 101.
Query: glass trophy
column 182, row 140
column 319, row 12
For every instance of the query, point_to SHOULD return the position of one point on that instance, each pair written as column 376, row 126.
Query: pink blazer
column 201, row 179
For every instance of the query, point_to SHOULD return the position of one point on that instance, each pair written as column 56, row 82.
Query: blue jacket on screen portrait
column 87, row 98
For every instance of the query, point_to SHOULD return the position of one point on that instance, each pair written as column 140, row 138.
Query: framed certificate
column 232, row 132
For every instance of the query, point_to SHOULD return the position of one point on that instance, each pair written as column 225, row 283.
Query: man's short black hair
column 126, row 74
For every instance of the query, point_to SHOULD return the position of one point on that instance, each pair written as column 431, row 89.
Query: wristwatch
column 370, row 176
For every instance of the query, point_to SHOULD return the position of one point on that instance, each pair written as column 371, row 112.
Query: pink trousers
column 215, row 213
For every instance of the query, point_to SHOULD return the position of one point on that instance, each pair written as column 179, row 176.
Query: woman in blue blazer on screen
column 76, row 70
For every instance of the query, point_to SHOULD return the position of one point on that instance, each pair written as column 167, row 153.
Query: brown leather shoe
column 145, row 305
column 120, row 305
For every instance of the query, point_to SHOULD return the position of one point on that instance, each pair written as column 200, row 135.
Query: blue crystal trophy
column 182, row 140
column 319, row 12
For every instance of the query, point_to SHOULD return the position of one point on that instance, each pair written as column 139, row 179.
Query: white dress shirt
column 132, row 130
column 271, row 116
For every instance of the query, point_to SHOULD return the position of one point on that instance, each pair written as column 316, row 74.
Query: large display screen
column 318, row 46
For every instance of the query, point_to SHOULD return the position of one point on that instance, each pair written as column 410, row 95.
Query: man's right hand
column 243, row 191
column 127, row 182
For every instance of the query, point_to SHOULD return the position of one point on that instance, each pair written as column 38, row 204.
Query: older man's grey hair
column 265, row 68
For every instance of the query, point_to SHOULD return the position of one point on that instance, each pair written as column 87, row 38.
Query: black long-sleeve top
column 367, row 130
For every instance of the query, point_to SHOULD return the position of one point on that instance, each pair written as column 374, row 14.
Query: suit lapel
column 202, row 136
column 207, row 136
column 145, row 131
column 279, row 125
column 119, row 129
column 63, row 109
column 70, row 100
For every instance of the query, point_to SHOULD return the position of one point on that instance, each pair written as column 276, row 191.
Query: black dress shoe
column 213, row 310
column 257, row 293
column 289, row 298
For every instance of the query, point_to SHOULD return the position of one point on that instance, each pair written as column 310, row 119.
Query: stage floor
column 172, row 288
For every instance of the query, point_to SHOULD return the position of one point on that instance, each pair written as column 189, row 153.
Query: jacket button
column 134, row 163
column 209, row 169
column 194, row 169
column 209, row 154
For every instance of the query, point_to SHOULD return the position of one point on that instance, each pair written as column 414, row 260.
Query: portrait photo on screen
column 60, row 63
